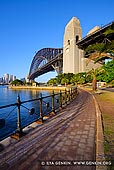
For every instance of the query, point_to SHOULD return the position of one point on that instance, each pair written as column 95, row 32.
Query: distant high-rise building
column 23, row 79
column 14, row 78
column 1, row 80
column 11, row 78
column 6, row 78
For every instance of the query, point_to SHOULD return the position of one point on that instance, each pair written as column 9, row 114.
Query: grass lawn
column 106, row 104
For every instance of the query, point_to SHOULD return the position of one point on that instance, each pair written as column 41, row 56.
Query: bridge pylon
column 73, row 57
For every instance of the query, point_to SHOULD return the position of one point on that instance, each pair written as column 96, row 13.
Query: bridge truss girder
column 96, row 37
column 45, row 60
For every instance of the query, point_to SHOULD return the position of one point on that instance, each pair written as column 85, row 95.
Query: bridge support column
column 58, row 66
column 73, row 57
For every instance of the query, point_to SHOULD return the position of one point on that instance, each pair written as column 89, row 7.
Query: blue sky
column 27, row 26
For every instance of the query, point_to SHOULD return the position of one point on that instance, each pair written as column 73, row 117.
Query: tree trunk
column 94, row 83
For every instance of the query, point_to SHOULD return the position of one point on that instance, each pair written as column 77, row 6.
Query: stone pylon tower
column 73, row 57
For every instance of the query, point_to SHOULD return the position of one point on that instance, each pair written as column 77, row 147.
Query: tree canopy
column 107, row 75
column 100, row 51
column 17, row 82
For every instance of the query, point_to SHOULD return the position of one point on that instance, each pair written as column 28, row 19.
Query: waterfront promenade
column 70, row 135
column 55, row 88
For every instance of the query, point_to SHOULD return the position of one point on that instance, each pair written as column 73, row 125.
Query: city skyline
column 28, row 26
column 7, row 78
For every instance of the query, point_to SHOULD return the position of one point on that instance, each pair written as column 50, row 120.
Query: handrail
column 14, row 104
column 62, row 98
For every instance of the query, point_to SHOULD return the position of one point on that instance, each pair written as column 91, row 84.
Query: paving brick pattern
column 68, row 136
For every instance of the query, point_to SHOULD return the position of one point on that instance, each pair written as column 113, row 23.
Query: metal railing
column 47, row 105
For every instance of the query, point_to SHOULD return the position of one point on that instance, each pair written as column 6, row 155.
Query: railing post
column 19, row 130
column 60, row 99
column 41, row 111
column 53, row 108
column 65, row 96
column 76, row 91
column 71, row 93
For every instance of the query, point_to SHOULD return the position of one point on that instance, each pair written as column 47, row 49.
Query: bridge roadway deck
column 69, row 135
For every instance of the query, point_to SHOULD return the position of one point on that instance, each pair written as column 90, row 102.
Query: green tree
column 17, row 82
column 99, row 52
column 100, row 74
column 79, row 78
column 89, row 77
column 94, row 73
column 64, row 81
column 74, row 79
column 109, row 31
column 109, row 71
column 68, row 76
column 52, row 81
column 59, row 78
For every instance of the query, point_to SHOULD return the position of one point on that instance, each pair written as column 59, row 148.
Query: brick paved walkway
column 68, row 136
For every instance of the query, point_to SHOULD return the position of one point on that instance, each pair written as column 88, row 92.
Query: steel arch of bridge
column 41, row 58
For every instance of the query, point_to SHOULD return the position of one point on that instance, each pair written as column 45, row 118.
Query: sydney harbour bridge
column 45, row 60
column 49, row 59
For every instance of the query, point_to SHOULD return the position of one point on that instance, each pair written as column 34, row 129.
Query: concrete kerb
column 100, row 156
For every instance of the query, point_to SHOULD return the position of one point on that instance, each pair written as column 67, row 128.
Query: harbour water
column 9, row 96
